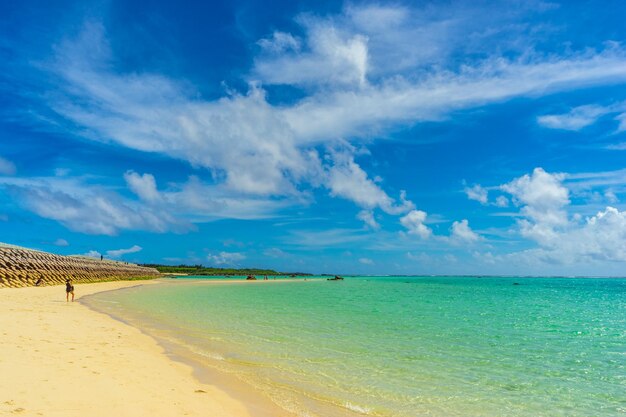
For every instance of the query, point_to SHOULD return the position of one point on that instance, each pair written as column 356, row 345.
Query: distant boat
column 337, row 278
column 251, row 278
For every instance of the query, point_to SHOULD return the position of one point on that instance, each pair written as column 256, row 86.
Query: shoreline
column 67, row 359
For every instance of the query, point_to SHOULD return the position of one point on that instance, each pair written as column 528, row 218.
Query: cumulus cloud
column 478, row 193
column 366, row 261
column 414, row 223
column 543, row 198
column 564, row 239
column 601, row 237
column 142, row 185
column 461, row 232
column 226, row 258
column 116, row 253
column 597, row 238
column 61, row 242
column 502, row 201
column 7, row 167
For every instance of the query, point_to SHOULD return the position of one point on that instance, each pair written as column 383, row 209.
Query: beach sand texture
column 63, row 359
column 20, row 267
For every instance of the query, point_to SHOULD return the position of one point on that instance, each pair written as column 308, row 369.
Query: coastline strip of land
column 60, row 358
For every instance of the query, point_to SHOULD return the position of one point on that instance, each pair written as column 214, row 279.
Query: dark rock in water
column 516, row 283
column 337, row 278
column 251, row 278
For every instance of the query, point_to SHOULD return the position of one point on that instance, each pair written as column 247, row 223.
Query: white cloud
column 275, row 253
column 598, row 238
column 116, row 253
column 280, row 42
column 332, row 56
column 420, row 257
column 576, row 119
column 7, row 167
column 478, row 193
column 226, row 258
column 374, row 108
column 367, row 217
column 460, row 231
column 348, row 180
column 142, row 185
column 601, row 237
column 93, row 254
column 61, row 242
column 204, row 202
column 610, row 196
column 543, row 198
column 363, row 72
column 565, row 239
column 89, row 209
column 366, row 261
column 253, row 147
column 502, row 201
column 583, row 116
column 414, row 223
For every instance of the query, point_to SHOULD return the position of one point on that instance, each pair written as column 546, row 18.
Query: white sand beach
column 63, row 359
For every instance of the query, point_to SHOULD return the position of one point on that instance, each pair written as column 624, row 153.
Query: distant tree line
column 203, row 270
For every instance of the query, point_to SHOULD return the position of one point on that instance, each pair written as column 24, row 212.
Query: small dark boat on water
column 337, row 278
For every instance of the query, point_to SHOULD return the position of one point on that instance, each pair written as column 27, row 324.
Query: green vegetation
column 203, row 270
column 109, row 279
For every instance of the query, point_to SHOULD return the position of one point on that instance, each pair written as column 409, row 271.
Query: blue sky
column 328, row 137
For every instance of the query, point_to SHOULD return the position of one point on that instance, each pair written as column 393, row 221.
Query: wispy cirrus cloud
column 87, row 208
column 226, row 258
column 116, row 253
column 582, row 116
column 263, row 157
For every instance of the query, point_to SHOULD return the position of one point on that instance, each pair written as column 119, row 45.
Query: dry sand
column 63, row 359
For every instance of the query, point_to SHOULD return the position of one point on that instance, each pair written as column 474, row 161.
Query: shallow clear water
column 403, row 346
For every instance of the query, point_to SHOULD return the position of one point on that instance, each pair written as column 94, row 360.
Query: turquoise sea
column 401, row 346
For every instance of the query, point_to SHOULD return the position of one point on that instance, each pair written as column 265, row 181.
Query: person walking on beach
column 69, row 289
